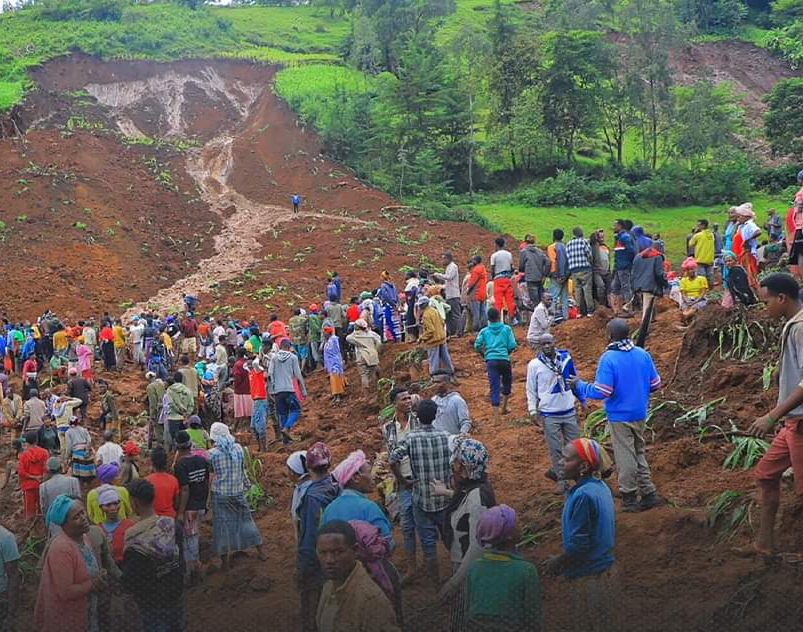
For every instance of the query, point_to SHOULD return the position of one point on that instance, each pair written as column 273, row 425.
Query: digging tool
column 644, row 330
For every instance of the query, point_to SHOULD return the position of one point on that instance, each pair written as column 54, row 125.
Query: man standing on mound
column 626, row 376
column 780, row 292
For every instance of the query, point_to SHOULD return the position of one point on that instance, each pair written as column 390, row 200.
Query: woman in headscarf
column 86, row 355
column 114, row 523
column 333, row 363
column 71, row 574
column 738, row 283
column 78, row 452
column 374, row 551
column 503, row 590
column 356, row 481
column 411, row 291
column 745, row 242
column 107, row 347
column 213, row 409
column 297, row 465
column 129, row 470
column 691, row 291
column 471, row 495
column 233, row 527
column 198, row 436
column 389, row 298
column 107, row 475
column 589, row 535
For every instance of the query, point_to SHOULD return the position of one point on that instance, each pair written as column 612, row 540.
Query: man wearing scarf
column 550, row 401
column 626, row 377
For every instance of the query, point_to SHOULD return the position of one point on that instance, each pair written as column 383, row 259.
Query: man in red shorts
column 781, row 294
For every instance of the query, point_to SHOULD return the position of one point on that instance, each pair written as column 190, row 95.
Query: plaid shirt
column 429, row 454
column 578, row 251
column 230, row 478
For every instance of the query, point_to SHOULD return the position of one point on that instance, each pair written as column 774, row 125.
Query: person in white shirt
column 135, row 334
column 541, row 320
column 451, row 277
column 551, row 402
column 502, row 275
column 109, row 452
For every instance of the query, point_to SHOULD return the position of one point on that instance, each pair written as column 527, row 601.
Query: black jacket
column 534, row 263
column 648, row 272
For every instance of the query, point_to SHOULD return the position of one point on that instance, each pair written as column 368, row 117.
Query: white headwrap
column 297, row 462
column 218, row 431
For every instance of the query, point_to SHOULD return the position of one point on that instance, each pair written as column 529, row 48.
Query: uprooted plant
column 730, row 512
column 747, row 452
column 743, row 339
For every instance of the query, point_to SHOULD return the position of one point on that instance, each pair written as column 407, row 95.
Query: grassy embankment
column 672, row 223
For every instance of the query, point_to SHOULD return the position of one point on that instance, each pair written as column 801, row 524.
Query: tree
column 577, row 64
column 651, row 30
column 621, row 95
column 707, row 117
column 783, row 124
column 468, row 57
column 713, row 16
column 513, row 69
column 365, row 49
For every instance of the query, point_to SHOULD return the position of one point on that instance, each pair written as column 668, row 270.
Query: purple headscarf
column 373, row 549
column 497, row 525
column 108, row 472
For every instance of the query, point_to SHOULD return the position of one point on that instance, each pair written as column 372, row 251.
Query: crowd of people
column 111, row 527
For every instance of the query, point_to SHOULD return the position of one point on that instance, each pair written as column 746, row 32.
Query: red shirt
column 167, row 491
column 479, row 276
column 107, row 334
column 118, row 539
column 277, row 328
column 30, row 366
column 32, row 463
column 353, row 313
column 189, row 328
column 259, row 386
column 204, row 329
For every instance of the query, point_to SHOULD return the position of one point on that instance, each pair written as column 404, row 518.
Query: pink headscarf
column 374, row 549
column 689, row 264
column 344, row 472
column 745, row 210
column 496, row 525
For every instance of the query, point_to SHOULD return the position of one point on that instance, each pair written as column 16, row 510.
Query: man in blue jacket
column 626, row 376
column 624, row 252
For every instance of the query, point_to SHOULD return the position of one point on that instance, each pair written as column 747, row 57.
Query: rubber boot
column 650, row 501
column 505, row 399
column 630, row 503
column 433, row 572
column 497, row 415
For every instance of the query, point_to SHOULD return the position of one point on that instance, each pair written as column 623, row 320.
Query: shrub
column 100, row 10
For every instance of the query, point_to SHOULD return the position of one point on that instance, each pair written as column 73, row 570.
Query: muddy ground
column 220, row 225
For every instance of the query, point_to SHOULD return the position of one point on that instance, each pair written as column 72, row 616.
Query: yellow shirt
column 60, row 342
column 703, row 244
column 693, row 288
column 119, row 336
column 168, row 341
column 95, row 513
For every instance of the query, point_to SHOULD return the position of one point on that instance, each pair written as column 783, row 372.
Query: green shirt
column 504, row 589
column 256, row 343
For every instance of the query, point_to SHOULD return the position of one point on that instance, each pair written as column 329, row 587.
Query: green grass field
column 672, row 223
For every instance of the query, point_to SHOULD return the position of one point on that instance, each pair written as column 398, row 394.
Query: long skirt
column 597, row 594
column 337, row 383
column 243, row 406
column 233, row 527
column 109, row 358
column 82, row 465
column 750, row 265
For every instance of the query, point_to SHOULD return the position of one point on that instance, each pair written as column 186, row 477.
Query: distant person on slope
column 296, row 200
column 781, row 294
column 626, row 376
column 502, row 274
